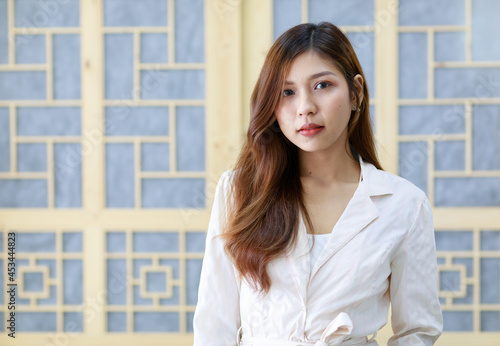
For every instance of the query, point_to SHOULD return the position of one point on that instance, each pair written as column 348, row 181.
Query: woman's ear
column 358, row 85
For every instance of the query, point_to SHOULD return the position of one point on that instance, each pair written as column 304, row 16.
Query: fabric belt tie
column 334, row 334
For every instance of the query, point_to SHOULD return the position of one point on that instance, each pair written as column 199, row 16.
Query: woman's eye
column 287, row 92
column 322, row 85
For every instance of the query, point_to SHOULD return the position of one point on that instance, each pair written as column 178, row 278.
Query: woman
column 309, row 239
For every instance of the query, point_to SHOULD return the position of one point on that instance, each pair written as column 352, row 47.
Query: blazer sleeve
column 416, row 312
column 217, row 315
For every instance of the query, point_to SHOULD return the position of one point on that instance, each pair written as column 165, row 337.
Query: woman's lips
column 310, row 129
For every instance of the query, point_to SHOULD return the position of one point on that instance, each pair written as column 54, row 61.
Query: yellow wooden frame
column 238, row 35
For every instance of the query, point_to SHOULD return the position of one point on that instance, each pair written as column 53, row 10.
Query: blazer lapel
column 359, row 213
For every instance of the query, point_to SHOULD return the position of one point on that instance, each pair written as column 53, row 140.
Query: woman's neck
column 326, row 167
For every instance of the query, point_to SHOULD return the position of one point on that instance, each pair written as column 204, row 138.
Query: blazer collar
column 375, row 181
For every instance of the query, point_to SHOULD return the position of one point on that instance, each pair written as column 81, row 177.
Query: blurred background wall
column 117, row 118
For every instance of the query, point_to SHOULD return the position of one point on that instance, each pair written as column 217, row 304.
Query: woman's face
column 316, row 104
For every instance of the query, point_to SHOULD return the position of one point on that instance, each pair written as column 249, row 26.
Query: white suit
column 381, row 250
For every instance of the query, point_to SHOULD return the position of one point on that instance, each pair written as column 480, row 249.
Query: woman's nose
column 306, row 105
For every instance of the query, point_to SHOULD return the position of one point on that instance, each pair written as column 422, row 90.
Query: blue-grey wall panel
column 449, row 46
column 119, row 66
column 135, row 13
column 115, row 242
column 120, row 175
column 67, row 175
column 156, row 282
column 449, row 280
column 490, row 280
column 173, row 84
column 155, row 157
column 72, row 242
column 154, row 48
column 155, row 242
column 190, row 138
column 454, row 240
column 33, row 282
column 189, row 320
column 466, row 82
column 342, row 13
column 286, row 14
column 449, row 155
column 148, row 322
column 73, row 281
column 490, row 240
column 412, row 65
column 30, row 49
column 435, row 119
column 173, row 193
column 413, row 163
column 4, row 33
column 4, row 140
column 66, row 56
column 1, row 282
column 458, row 321
column 73, row 322
column 485, row 28
column 486, row 137
column 36, row 13
column 137, row 121
column 31, row 157
column 431, row 12
column 49, row 121
column 116, row 275
column 189, row 31
column 117, row 321
column 467, row 192
column 490, row 321
column 35, row 242
column 195, row 241
column 36, row 322
column 30, row 85
column 193, row 271
column 23, row 193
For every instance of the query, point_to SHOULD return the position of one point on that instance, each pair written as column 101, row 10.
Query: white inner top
column 319, row 244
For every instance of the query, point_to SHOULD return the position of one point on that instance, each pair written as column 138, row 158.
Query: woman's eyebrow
column 316, row 75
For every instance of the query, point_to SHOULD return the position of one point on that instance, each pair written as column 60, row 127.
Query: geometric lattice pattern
column 469, row 279
column 449, row 142
column 152, row 280
column 150, row 134
column 49, row 277
column 40, row 105
column 154, row 104
column 449, row 101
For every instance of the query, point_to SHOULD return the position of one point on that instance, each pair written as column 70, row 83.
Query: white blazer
column 382, row 250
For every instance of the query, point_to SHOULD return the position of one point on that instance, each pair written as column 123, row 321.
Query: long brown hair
column 266, row 194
